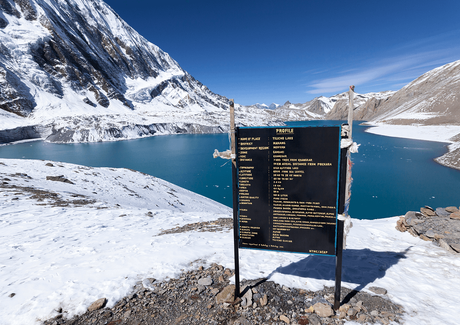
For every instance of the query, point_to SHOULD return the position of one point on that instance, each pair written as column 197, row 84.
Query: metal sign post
column 345, row 181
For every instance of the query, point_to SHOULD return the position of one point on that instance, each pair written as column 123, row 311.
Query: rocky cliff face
column 365, row 106
column 431, row 99
column 66, row 58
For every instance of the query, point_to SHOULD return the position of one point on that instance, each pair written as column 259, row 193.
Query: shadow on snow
column 359, row 266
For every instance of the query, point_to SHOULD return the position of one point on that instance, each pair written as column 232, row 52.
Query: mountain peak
column 78, row 56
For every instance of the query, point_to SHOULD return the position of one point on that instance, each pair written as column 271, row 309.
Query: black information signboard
column 288, row 188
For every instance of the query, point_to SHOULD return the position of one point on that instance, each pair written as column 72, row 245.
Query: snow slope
column 55, row 254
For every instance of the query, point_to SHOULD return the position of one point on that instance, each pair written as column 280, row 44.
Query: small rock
column 201, row 288
column 455, row 247
column 362, row 318
column 248, row 296
column 264, row 300
column 425, row 238
column 378, row 290
column 430, row 233
column 214, row 291
column 451, row 209
column 11, row 295
column 428, row 211
column 49, row 165
column 60, row 178
column 285, row 319
column 352, row 312
column 455, row 215
column 374, row 313
column 445, row 245
column 443, row 212
column 323, row 310
column 127, row 314
column 242, row 321
column 205, row 281
column 227, row 294
column 314, row 319
column 400, row 225
column 344, row 307
column 98, row 304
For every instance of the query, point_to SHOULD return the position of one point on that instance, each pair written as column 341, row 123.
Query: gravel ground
column 204, row 296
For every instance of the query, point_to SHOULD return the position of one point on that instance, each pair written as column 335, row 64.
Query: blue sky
column 274, row 51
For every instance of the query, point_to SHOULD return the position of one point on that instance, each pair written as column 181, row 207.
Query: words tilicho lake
column 390, row 175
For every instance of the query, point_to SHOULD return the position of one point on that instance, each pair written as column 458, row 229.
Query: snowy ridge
column 431, row 99
column 66, row 245
column 332, row 108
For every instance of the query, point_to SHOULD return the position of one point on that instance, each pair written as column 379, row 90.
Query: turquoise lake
column 390, row 175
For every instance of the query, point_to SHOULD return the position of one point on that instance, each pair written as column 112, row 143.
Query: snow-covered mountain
column 73, row 70
column 330, row 108
column 364, row 105
column 431, row 99
column 265, row 106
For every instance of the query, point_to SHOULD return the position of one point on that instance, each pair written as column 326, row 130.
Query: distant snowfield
column 56, row 256
column 438, row 133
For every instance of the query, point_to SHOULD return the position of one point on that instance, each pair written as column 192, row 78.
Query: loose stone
column 378, row 290
column 285, row 319
column 205, row 281
column 323, row 310
column 451, row 209
column 455, row 215
column 98, row 304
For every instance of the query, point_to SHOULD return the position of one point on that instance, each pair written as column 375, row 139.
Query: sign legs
column 236, row 232
column 338, row 264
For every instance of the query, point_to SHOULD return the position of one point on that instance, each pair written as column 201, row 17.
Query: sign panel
column 288, row 188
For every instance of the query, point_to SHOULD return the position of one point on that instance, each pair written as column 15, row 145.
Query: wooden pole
column 351, row 93
column 232, row 130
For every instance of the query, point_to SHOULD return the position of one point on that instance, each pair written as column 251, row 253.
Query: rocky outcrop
column 441, row 226
column 117, row 131
column 451, row 158
column 364, row 106
column 20, row 133
column 15, row 96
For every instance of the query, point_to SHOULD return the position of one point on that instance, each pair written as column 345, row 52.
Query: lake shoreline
column 446, row 134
